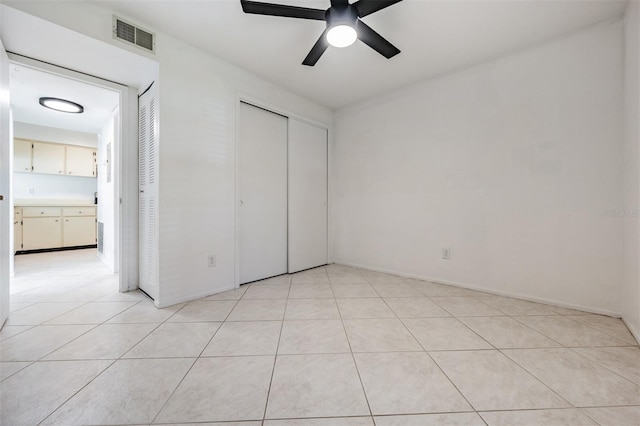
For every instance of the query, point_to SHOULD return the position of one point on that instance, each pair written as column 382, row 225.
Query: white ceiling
column 435, row 37
column 28, row 85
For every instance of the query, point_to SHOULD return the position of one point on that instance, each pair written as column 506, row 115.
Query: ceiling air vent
column 131, row 34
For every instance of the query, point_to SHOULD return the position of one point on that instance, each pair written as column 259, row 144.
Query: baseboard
column 486, row 290
column 171, row 302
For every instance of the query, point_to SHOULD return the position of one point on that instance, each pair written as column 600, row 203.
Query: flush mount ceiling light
column 61, row 105
column 344, row 25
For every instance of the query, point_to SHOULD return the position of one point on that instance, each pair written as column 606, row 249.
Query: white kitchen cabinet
column 48, row 158
column 22, row 155
column 81, row 161
column 41, row 232
column 78, row 231
column 17, row 229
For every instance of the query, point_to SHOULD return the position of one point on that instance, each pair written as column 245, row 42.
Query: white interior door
column 262, row 194
column 307, row 196
column 5, row 179
column 148, row 192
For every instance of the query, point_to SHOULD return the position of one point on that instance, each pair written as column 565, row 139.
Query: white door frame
column 248, row 99
column 125, row 168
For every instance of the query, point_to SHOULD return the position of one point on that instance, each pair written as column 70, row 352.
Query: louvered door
column 148, row 197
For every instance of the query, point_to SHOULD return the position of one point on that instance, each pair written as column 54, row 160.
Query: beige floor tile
column 364, row 308
column 381, row 278
column 145, row 312
column 512, row 306
column 315, row 386
column 405, row 383
column 623, row 361
column 334, row 421
column 245, row 338
column 505, row 332
column 258, row 310
column 256, row 423
column 84, row 294
column 12, row 330
column 311, row 309
column 339, row 279
column 92, row 313
column 569, row 332
column 434, row 289
column 204, row 311
column 336, row 268
column 229, row 295
column 491, row 381
column 379, row 335
column 266, row 291
column 107, row 341
column 131, row 296
column 448, row 419
column 149, row 383
column 175, row 340
column 614, row 416
column 221, row 389
column 37, row 342
column 40, row 312
column 30, row 395
column 16, row 306
column 442, row 334
column 10, row 368
column 395, row 290
column 311, row 291
column 466, row 307
column 344, row 291
column 280, row 279
column 577, row 379
column 564, row 417
column 310, row 279
column 313, row 337
column 609, row 325
column 415, row 307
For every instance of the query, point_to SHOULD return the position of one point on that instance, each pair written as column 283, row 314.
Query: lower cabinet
column 39, row 228
column 78, row 231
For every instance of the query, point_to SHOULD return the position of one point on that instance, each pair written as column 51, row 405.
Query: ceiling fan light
column 61, row 105
column 342, row 35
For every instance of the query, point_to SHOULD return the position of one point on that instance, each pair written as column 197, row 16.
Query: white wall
column 32, row 186
column 198, row 101
column 106, row 189
column 511, row 164
column 631, row 273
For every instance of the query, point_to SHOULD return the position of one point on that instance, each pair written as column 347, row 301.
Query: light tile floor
column 330, row 346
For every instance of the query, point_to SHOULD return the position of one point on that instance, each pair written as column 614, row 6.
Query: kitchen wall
column 198, row 98
column 32, row 186
column 512, row 164
column 631, row 206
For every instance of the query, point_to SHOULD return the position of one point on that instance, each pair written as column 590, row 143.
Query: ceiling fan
column 344, row 26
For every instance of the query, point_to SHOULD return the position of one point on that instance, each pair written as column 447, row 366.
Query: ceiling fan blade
column 317, row 50
column 376, row 41
column 367, row 7
column 260, row 8
column 337, row 2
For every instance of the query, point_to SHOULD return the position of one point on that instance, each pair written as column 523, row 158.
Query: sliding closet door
column 307, row 196
column 263, row 193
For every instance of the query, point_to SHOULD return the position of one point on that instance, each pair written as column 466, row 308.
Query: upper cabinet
column 48, row 158
column 22, row 155
column 81, row 161
column 52, row 158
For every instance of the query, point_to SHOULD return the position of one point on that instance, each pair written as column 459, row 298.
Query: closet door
column 148, row 192
column 262, row 182
column 307, row 196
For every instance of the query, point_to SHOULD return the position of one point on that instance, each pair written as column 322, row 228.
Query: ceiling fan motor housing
column 342, row 14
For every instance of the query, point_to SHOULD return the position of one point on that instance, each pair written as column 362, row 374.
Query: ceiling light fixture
column 61, row 105
column 342, row 35
column 341, row 25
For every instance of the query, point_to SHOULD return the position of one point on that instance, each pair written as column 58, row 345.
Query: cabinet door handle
column 57, row 220
column 59, row 171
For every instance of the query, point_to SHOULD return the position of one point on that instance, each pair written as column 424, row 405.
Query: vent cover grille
column 131, row 34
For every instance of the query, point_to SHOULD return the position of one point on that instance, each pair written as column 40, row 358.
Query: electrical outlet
column 446, row 253
column 211, row 261
column 32, row 191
